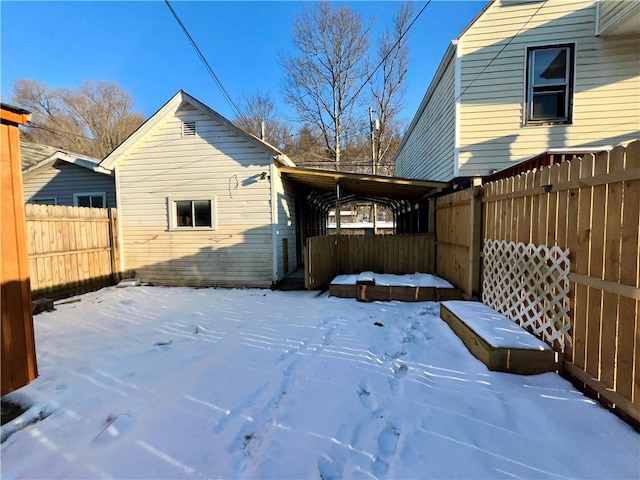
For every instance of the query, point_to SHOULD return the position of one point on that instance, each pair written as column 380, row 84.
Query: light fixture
column 263, row 175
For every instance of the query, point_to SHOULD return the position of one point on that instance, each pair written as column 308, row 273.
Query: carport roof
column 362, row 185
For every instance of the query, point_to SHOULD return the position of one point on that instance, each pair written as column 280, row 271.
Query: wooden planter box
column 511, row 349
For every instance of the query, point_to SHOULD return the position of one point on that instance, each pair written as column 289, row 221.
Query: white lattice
column 530, row 285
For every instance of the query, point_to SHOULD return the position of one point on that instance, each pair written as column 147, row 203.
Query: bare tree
column 260, row 117
column 51, row 123
column 388, row 87
column 322, row 80
column 92, row 120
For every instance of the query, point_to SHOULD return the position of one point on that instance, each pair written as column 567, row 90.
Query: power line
column 501, row 50
column 402, row 35
column 54, row 130
column 224, row 91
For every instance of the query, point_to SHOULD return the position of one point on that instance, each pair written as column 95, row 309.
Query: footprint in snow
column 113, row 428
column 387, row 447
column 400, row 371
column 368, row 401
column 329, row 469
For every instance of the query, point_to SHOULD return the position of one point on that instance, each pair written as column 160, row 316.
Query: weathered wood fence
column 327, row 256
column 590, row 206
column 71, row 249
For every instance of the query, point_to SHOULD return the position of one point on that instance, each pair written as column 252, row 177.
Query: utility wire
column 501, row 50
column 54, row 130
column 224, row 91
column 402, row 35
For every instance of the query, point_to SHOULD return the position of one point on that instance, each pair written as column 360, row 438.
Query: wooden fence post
column 115, row 245
column 18, row 351
column 475, row 241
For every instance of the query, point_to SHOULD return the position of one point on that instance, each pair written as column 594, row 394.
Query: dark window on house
column 94, row 200
column 549, row 84
column 188, row 129
column 44, row 201
column 193, row 213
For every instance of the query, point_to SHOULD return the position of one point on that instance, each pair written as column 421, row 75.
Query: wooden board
column 18, row 354
column 509, row 360
column 343, row 291
column 384, row 293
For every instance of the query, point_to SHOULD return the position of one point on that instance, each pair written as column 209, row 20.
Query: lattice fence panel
column 530, row 285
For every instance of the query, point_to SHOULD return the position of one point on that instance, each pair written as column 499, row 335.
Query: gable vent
column 188, row 129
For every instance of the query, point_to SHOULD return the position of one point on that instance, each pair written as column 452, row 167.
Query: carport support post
column 337, row 250
column 338, row 208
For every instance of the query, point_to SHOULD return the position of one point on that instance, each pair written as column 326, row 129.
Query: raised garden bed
column 498, row 342
column 369, row 287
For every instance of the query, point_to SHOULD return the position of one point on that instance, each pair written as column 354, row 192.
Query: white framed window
column 549, row 96
column 189, row 129
column 44, row 201
column 192, row 213
column 90, row 199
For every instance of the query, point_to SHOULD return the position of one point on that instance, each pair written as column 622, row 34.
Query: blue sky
column 140, row 46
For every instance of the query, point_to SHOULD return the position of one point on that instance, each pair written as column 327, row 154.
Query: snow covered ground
column 151, row 382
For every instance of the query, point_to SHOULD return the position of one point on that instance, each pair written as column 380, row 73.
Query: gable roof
column 170, row 108
column 34, row 153
column 36, row 156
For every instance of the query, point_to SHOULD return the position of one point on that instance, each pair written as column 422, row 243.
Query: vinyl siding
column 613, row 11
column 606, row 104
column 428, row 151
column 61, row 180
column 215, row 163
column 284, row 223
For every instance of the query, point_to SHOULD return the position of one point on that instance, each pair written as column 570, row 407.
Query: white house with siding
column 201, row 202
column 57, row 177
column 527, row 77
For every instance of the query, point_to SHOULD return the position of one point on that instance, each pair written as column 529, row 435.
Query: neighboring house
column 54, row 177
column 527, row 77
column 201, row 201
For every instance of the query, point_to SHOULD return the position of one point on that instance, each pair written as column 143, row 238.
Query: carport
column 319, row 191
column 323, row 190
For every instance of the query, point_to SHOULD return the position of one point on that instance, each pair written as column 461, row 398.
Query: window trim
column 90, row 194
column 33, row 200
column 569, row 88
column 171, row 208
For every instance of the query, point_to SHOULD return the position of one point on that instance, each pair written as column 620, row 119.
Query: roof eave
column 84, row 162
column 111, row 160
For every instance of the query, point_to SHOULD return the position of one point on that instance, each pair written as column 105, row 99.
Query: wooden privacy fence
column 327, row 256
column 71, row 249
column 320, row 261
column 458, row 237
column 590, row 207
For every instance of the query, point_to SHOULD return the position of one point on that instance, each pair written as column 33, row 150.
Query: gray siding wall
column 62, row 179
column 428, row 152
column 215, row 163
